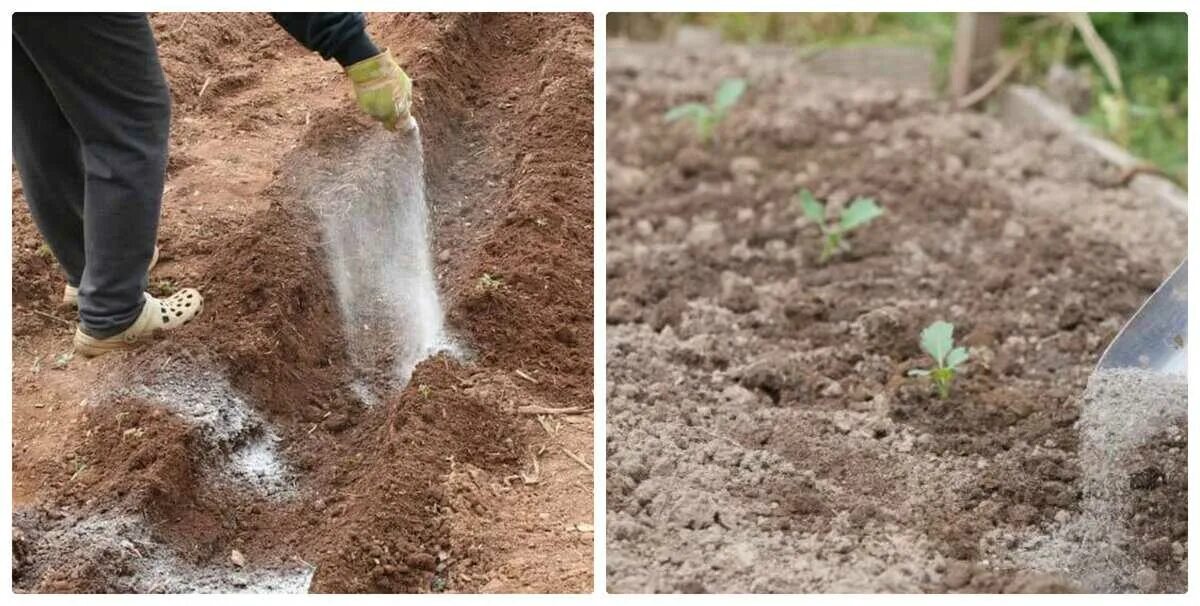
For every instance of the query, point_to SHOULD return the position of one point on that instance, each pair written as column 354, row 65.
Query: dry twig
column 987, row 88
column 546, row 410
column 204, row 87
column 536, row 476
column 577, row 459
column 51, row 316
column 544, row 421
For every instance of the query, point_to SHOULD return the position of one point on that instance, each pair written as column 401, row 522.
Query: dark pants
column 91, row 114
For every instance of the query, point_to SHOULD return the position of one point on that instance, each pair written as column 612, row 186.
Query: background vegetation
column 1148, row 114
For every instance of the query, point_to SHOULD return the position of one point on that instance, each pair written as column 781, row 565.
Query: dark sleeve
column 340, row 36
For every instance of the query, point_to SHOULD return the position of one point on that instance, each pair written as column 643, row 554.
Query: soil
column 237, row 455
column 763, row 432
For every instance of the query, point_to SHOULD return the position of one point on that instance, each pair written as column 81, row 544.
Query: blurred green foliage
column 1147, row 44
column 829, row 28
column 1151, row 49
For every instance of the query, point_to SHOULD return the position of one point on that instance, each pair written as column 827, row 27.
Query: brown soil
column 763, row 432
column 372, row 497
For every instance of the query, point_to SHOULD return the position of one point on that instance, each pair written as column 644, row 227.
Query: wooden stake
column 976, row 40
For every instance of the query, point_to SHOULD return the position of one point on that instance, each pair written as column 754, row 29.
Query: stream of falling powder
column 375, row 221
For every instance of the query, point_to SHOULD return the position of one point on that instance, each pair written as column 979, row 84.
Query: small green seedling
column 489, row 283
column 860, row 212
column 937, row 340
column 62, row 360
column 439, row 584
column 707, row 117
column 166, row 287
column 80, row 466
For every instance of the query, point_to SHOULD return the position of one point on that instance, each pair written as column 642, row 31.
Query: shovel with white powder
column 1155, row 339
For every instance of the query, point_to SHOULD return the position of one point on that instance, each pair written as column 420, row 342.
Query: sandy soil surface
column 237, row 455
column 763, row 432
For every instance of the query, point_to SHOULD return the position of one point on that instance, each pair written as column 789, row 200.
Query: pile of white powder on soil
column 1132, row 440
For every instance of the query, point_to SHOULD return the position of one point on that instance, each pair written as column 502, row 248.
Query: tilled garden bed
column 764, row 434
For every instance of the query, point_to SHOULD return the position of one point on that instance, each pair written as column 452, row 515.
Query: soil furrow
column 373, row 508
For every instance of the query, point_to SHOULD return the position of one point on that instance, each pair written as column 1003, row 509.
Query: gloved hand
column 383, row 90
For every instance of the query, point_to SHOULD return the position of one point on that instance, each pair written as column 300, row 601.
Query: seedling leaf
column 694, row 111
column 728, row 94
column 860, row 212
column 706, row 117
column 957, row 356
column 936, row 340
column 813, row 210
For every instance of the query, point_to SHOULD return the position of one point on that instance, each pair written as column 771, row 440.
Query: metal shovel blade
column 1156, row 337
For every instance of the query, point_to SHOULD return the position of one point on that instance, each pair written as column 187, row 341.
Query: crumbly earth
column 763, row 432
column 244, row 432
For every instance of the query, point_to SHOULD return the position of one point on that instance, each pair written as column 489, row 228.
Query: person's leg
column 103, row 70
column 49, row 159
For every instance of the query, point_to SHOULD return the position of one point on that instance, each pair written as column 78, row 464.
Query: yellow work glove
column 383, row 90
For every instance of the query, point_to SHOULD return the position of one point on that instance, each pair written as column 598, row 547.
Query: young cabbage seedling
column 937, row 340
column 860, row 212
column 707, row 117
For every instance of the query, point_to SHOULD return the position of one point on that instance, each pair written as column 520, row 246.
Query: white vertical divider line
column 599, row 344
